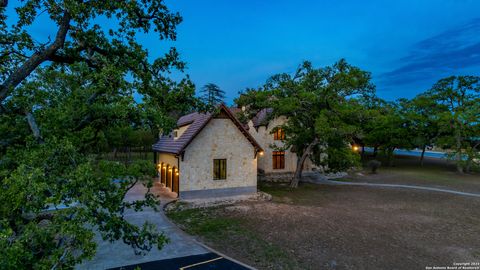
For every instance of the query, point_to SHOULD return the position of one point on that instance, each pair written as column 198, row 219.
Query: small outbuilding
column 208, row 155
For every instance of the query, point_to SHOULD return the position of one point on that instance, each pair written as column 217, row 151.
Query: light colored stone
column 196, row 170
column 212, row 202
column 263, row 136
column 220, row 139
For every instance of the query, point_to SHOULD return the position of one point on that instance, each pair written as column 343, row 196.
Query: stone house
column 208, row 155
column 274, row 165
column 215, row 155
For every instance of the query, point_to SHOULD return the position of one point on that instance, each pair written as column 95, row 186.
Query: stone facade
column 169, row 159
column 220, row 139
column 265, row 138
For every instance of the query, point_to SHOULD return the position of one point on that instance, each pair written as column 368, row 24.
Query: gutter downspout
column 178, row 168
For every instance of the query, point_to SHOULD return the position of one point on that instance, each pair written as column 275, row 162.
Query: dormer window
column 175, row 134
column 279, row 135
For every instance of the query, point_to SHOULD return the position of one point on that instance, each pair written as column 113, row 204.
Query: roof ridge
column 178, row 145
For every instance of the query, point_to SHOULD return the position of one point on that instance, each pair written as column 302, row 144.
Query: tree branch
column 34, row 127
column 3, row 3
column 36, row 59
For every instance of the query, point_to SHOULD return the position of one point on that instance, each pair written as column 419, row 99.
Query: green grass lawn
column 435, row 173
column 227, row 233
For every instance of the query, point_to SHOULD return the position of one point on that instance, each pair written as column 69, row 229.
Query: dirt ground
column 347, row 227
column 338, row 227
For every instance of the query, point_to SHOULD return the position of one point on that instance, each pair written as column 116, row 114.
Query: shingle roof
column 197, row 121
column 261, row 119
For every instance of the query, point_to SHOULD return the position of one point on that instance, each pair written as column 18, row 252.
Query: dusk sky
column 407, row 45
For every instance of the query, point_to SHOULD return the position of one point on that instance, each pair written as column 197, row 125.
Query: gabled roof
column 197, row 121
column 262, row 117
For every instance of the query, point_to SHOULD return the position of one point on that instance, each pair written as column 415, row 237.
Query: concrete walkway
column 117, row 254
column 332, row 182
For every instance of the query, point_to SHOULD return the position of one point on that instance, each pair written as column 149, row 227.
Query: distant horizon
column 407, row 45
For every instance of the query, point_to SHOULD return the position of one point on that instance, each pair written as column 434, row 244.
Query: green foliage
column 340, row 158
column 458, row 99
column 212, row 96
column 319, row 105
column 386, row 128
column 65, row 103
column 54, row 174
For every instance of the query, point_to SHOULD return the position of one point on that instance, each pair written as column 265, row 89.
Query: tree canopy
column 458, row 98
column 319, row 105
column 65, row 104
column 212, row 96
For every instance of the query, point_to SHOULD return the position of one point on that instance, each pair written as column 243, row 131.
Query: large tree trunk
column 468, row 167
column 390, row 156
column 459, row 154
column 423, row 154
column 298, row 171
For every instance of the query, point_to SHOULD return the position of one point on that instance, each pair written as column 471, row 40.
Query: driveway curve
column 116, row 254
column 333, row 182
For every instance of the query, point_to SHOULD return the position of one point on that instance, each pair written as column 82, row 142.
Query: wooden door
column 175, row 184
column 163, row 174
column 169, row 177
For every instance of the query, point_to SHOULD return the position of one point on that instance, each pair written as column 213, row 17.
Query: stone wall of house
column 169, row 159
column 220, row 139
column 265, row 163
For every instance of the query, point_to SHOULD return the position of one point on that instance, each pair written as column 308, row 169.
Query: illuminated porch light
column 260, row 153
column 355, row 148
column 177, row 174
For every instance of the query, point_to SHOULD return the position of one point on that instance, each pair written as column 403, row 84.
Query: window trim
column 279, row 135
column 218, row 173
column 278, row 160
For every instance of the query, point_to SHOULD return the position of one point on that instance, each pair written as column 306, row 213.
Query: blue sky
column 407, row 45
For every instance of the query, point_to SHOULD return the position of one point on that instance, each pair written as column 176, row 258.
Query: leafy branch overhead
column 82, row 36
column 66, row 103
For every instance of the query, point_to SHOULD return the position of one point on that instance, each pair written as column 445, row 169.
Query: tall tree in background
column 422, row 117
column 212, row 96
column 55, row 123
column 318, row 106
column 459, row 117
column 387, row 129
